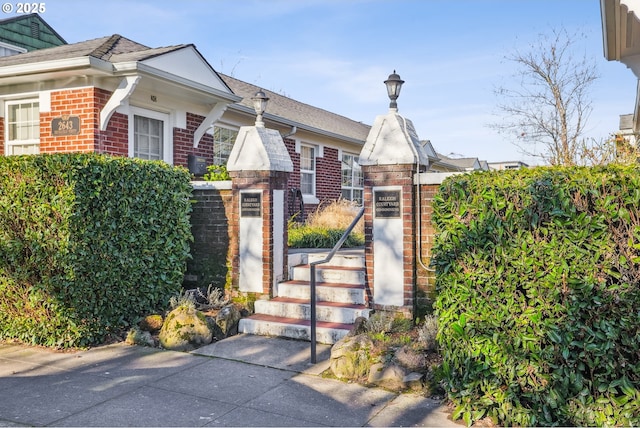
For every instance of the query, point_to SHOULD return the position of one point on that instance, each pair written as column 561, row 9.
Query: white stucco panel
column 188, row 64
column 259, row 149
column 392, row 140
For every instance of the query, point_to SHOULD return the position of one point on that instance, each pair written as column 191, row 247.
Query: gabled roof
column 30, row 32
column 113, row 48
column 113, row 55
column 295, row 113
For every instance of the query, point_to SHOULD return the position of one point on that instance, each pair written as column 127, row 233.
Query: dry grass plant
column 336, row 214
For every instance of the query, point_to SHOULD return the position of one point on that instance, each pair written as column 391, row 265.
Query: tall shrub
column 538, row 274
column 88, row 243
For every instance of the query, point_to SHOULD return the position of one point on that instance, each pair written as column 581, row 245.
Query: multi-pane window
column 352, row 179
column 23, row 127
column 148, row 137
column 223, row 140
column 307, row 170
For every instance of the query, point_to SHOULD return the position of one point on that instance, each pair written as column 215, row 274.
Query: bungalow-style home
column 114, row 95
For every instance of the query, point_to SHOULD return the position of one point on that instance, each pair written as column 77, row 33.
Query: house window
column 223, row 140
column 148, row 130
column 23, row 127
column 352, row 179
column 307, row 170
column 8, row 50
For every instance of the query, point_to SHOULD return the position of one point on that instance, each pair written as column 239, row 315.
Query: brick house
column 116, row 96
column 113, row 95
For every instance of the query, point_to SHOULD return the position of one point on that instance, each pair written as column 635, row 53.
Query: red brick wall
column 266, row 182
column 392, row 175
column 425, row 285
column 183, row 142
column 328, row 175
column 76, row 102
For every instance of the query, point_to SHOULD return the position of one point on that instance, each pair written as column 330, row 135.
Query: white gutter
column 56, row 65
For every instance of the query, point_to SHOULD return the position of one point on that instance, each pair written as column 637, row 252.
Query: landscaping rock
column 411, row 359
column 359, row 327
column 185, row 329
column 227, row 320
column 414, row 381
column 151, row 323
column 350, row 357
column 139, row 337
column 390, row 377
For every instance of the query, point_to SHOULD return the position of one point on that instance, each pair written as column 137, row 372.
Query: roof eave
column 288, row 122
column 69, row 64
column 125, row 68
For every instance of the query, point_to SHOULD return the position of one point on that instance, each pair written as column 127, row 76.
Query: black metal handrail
column 312, row 280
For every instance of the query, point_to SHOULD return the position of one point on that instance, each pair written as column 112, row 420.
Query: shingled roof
column 296, row 112
column 115, row 48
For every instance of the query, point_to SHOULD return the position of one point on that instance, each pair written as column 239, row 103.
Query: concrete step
column 325, row 291
column 330, row 274
column 344, row 258
column 268, row 325
column 336, row 312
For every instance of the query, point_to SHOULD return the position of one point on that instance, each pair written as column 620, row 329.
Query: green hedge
column 537, row 274
column 88, row 243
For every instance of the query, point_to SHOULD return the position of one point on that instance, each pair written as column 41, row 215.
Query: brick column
column 390, row 159
column 259, row 166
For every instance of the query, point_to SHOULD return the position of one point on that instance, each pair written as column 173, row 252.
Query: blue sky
column 335, row 54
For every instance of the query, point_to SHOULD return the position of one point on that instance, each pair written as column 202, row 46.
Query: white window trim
column 7, row 143
column 13, row 47
column 352, row 187
column 314, row 172
column 167, row 148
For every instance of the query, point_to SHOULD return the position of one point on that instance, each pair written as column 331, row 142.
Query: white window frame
column 5, row 47
column 213, row 135
column 10, row 144
column 311, row 172
column 352, row 187
column 167, row 137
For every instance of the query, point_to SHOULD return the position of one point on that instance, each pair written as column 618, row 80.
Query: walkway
column 240, row 381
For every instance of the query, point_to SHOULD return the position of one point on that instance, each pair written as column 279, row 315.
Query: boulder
column 151, row 323
column 227, row 320
column 350, row 357
column 411, row 359
column 185, row 329
column 359, row 327
column 390, row 377
column 139, row 337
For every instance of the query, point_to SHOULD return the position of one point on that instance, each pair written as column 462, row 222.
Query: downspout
column 294, row 129
column 417, row 155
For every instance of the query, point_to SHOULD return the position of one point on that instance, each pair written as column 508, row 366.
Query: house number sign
column 387, row 204
column 250, row 204
column 65, row 125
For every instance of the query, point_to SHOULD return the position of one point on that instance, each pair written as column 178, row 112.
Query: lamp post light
column 394, row 83
column 260, row 100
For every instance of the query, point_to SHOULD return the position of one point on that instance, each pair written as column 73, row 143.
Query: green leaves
column 538, row 290
column 88, row 243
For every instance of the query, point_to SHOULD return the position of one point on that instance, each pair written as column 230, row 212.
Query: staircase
column 340, row 291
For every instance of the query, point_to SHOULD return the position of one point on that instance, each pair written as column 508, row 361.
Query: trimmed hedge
column 537, row 274
column 88, row 244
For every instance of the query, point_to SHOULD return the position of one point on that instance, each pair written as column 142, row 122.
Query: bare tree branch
column 550, row 107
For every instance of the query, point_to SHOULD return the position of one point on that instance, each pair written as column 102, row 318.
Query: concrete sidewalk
column 241, row 381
